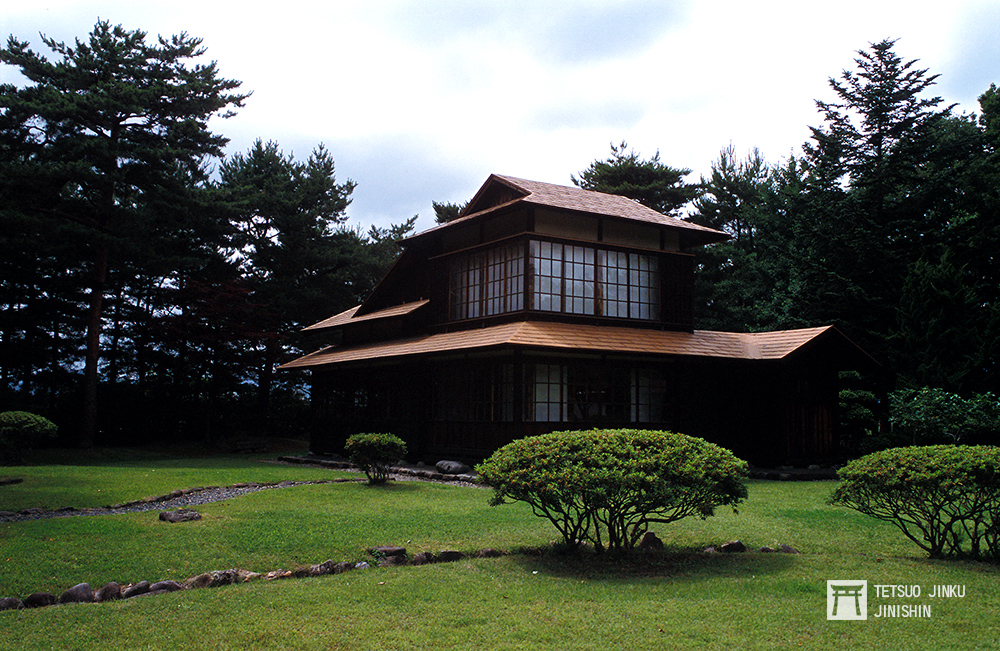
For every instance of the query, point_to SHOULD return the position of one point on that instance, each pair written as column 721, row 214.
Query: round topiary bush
column 945, row 498
column 608, row 486
column 375, row 454
column 21, row 430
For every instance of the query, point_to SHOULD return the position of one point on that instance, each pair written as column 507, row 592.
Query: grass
column 679, row 599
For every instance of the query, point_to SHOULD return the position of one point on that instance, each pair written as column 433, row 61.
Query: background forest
column 149, row 285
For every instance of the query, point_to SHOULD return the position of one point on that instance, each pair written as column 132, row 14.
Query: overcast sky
column 421, row 101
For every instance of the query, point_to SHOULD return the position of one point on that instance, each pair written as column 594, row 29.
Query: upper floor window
column 584, row 280
column 567, row 278
column 487, row 283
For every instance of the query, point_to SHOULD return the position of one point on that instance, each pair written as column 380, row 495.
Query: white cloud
column 420, row 101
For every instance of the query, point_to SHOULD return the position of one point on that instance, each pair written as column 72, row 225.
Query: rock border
column 416, row 472
column 384, row 556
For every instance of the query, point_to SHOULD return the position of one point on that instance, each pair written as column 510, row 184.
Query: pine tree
column 97, row 136
column 650, row 182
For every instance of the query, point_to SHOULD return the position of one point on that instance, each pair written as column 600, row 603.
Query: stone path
column 191, row 497
column 178, row 499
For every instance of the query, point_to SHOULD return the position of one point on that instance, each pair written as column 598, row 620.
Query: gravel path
column 177, row 499
column 196, row 496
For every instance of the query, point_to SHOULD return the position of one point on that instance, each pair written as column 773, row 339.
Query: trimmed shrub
column 608, row 486
column 21, row 430
column 375, row 454
column 945, row 498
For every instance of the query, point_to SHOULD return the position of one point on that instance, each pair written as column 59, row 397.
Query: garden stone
column 446, row 467
column 247, row 575
column 11, row 603
column 7, row 514
column 423, row 558
column 391, row 561
column 40, row 599
column 273, row 575
column 786, row 549
column 650, row 542
column 166, row 586
column 326, row 567
column 31, row 510
column 223, row 577
column 449, row 556
column 180, row 515
column 345, row 566
column 489, row 553
column 733, row 547
column 202, row 580
column 81, row 593
column 710, row 550
column 765, row 550
column 387, row 550
column 361, row 566
column 134, row 590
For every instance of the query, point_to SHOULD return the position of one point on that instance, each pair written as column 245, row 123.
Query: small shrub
column 375, row 454
column 945, row 498
column 608, row 486
column 21, row 430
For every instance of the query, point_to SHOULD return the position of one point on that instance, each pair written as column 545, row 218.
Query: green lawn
column 680, row 599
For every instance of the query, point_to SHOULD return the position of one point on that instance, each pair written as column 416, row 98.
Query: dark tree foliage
column 650, row 182
column 886, row 226
column 863, row 197
column 99, row 138
column 287, row 247
column 445, row 212
column 124, row 265
column 735, row 279
column 891, row 187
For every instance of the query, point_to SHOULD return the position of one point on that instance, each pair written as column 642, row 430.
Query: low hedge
column 608, row 486
column 945, row 498
column 21, row 430
column 375, row 454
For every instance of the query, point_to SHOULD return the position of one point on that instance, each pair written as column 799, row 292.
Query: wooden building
column 546, row 307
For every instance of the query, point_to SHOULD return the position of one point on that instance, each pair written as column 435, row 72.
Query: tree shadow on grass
column 390, row 486
column 672, row 562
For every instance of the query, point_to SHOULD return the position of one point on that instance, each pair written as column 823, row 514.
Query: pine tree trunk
column 93, row 354
column 265, row 384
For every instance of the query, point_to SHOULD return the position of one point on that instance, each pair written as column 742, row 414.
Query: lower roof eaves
column 569, row 337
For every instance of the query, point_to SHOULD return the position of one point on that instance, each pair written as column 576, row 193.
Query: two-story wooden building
column 546, row 307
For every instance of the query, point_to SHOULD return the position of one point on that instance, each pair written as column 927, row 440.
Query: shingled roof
column 500, row 192
column 548, row 335
column 351, row 315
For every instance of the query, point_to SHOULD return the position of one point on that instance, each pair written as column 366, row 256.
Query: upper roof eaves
column 575, row 199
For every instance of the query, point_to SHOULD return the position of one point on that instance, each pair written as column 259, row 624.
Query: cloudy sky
column 420, row 101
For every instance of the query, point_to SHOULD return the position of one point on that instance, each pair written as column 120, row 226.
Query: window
column 583, row 280
column 475, row 394
column 593, row 394
column 649, row 391
column 548, row 390
column 487, row 283
column 565, row 278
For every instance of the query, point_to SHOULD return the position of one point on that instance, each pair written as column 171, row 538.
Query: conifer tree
column 112, row 126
